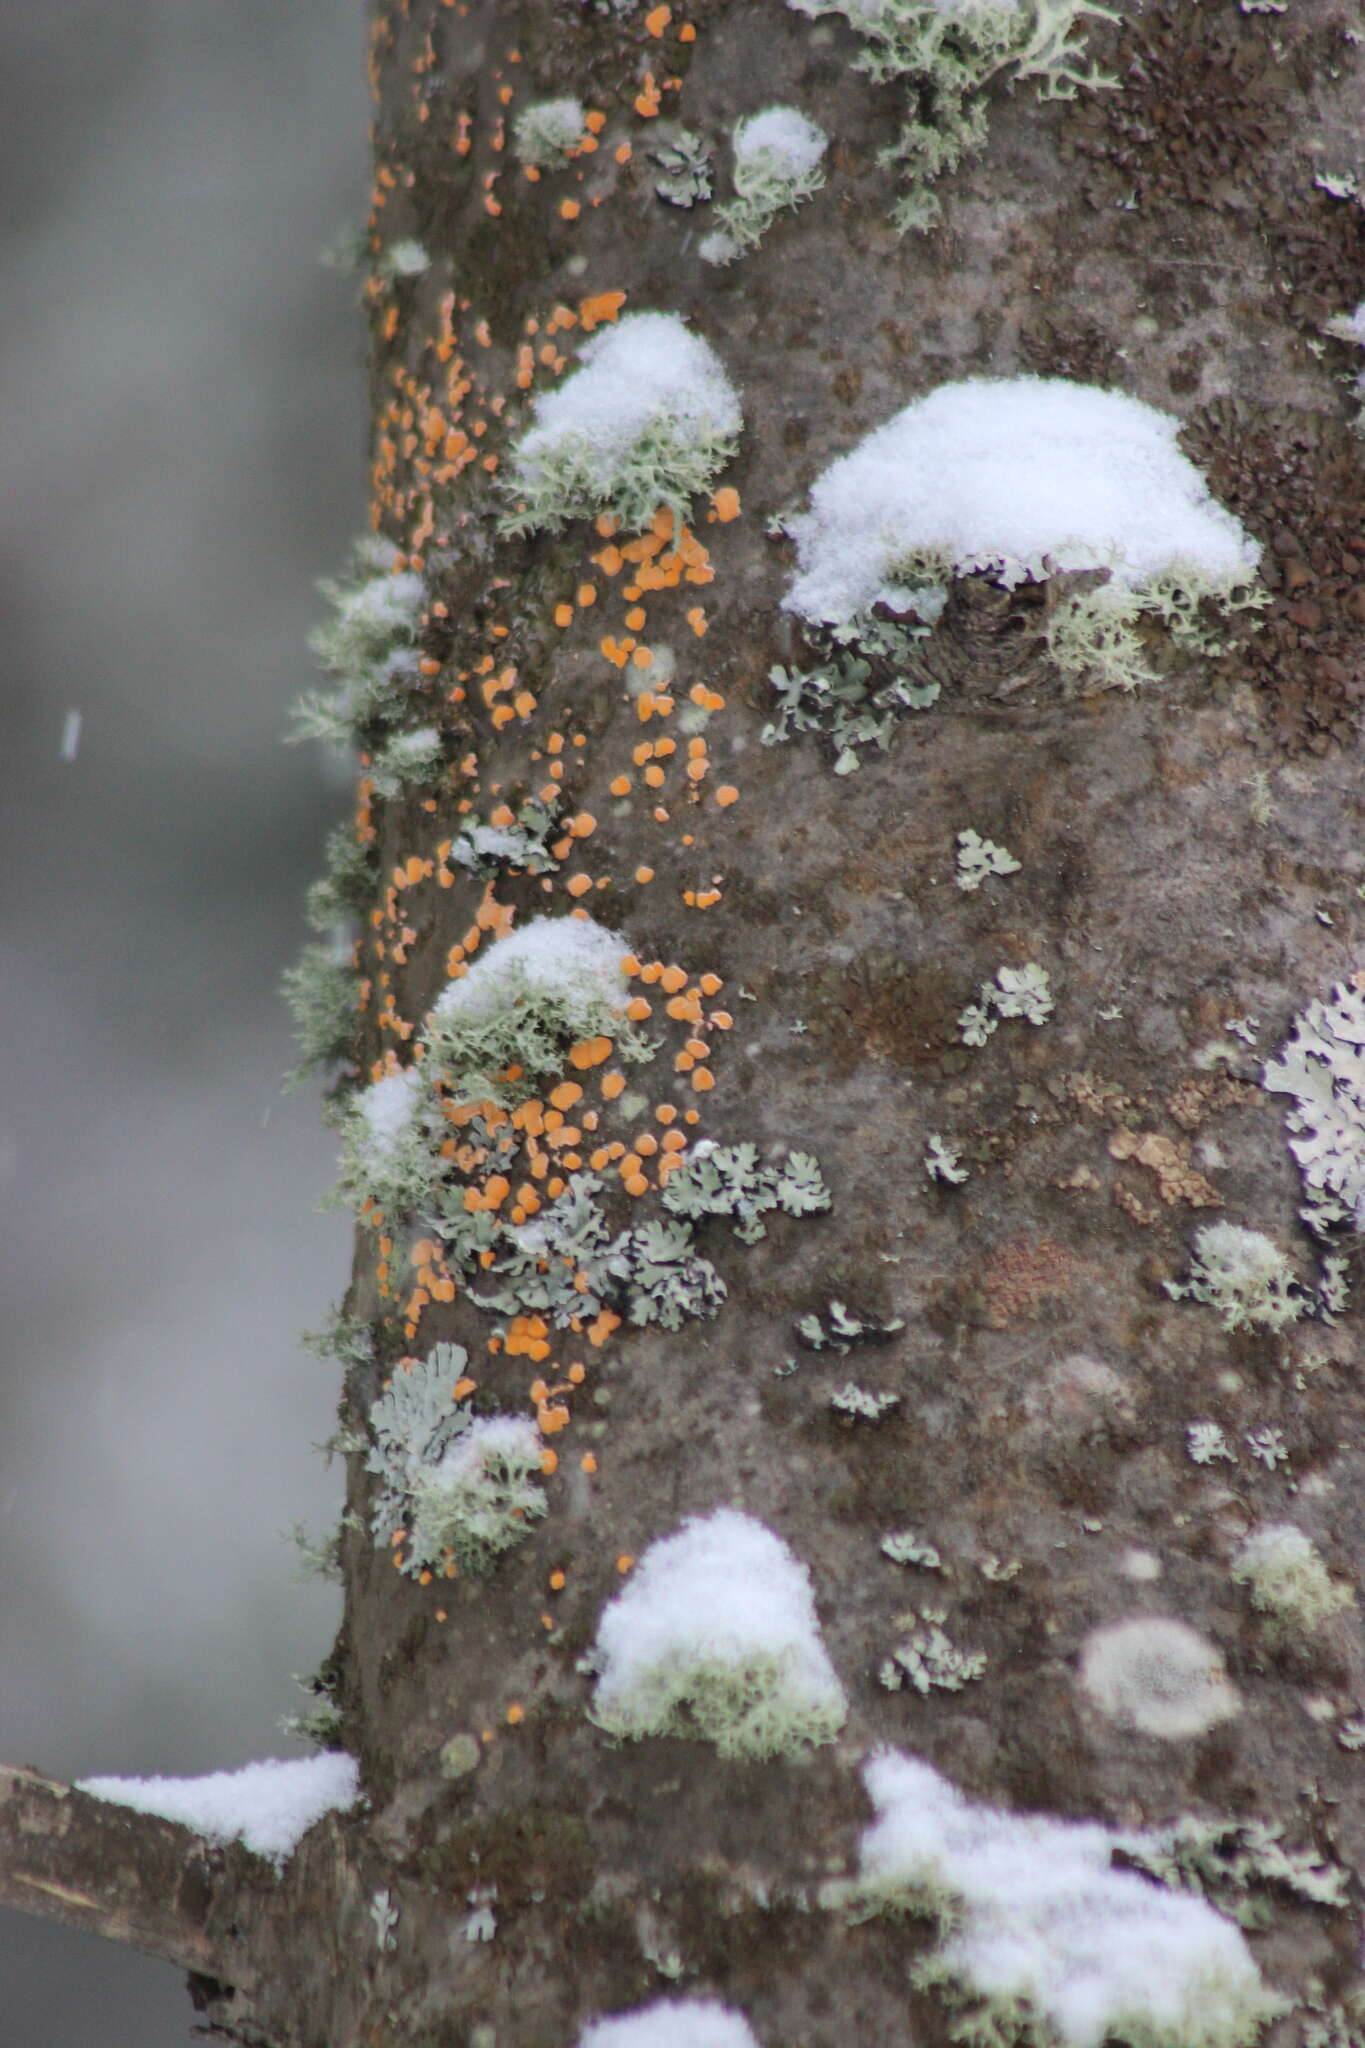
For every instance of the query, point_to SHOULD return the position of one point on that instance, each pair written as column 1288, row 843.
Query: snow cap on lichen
column 787, row 138
column 1158, row 1676
column 1036, row 1912
column 778, row 163
column 715, row 1635
column 481, row 1497
column 572, row 958
column 646, row 419
column 1017, row 476
column 672, row 2023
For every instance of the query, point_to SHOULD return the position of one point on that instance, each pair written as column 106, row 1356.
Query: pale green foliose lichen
column 948, row 488
column 1244, row 1275
column 683, row 163
column 1016, row 992
column 978, row 859
column 1233, row 1863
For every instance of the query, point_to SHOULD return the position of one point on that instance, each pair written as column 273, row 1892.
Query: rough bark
column 1169, row 239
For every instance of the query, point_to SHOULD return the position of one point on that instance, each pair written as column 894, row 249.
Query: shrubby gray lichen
column 1287, row 1579
column 944, row 57
column 368, row 645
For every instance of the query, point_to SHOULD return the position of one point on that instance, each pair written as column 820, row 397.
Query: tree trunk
column 1188, row 879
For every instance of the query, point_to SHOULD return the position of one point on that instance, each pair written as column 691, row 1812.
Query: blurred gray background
column 183, row 434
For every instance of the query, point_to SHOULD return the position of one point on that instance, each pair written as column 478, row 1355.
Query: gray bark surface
column 1168, row 239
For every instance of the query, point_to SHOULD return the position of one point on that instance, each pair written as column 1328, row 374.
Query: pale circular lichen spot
column 1158, row 1676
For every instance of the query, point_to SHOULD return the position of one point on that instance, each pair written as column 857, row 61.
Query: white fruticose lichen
column 1158, row 1676
column 1019, row 478
column 406, row 759
column 1035, row 1918
column 647, row 420
column 945, row 53
column 367, row 644
column 672, row 2023
column 547, row 131
column 1288, row 1580
column 778, row 164
column 1322, row 1066
column 979, row 858
column 715, row 1635
column 1244, row 1275
column 1015, row 992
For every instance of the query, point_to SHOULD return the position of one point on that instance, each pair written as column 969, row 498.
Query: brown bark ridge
column 1190, row 857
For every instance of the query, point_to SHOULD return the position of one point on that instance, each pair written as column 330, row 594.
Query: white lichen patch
column 1287, row 1579
column 715, row 1635
column 1242, row 1274
column 545, row 132
column 1035, row 1916
column 779, row 162
column 672, row 2023
column 1017, row 478
column 1158, row 1676
column 647, row 419
column 1322, row 1066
